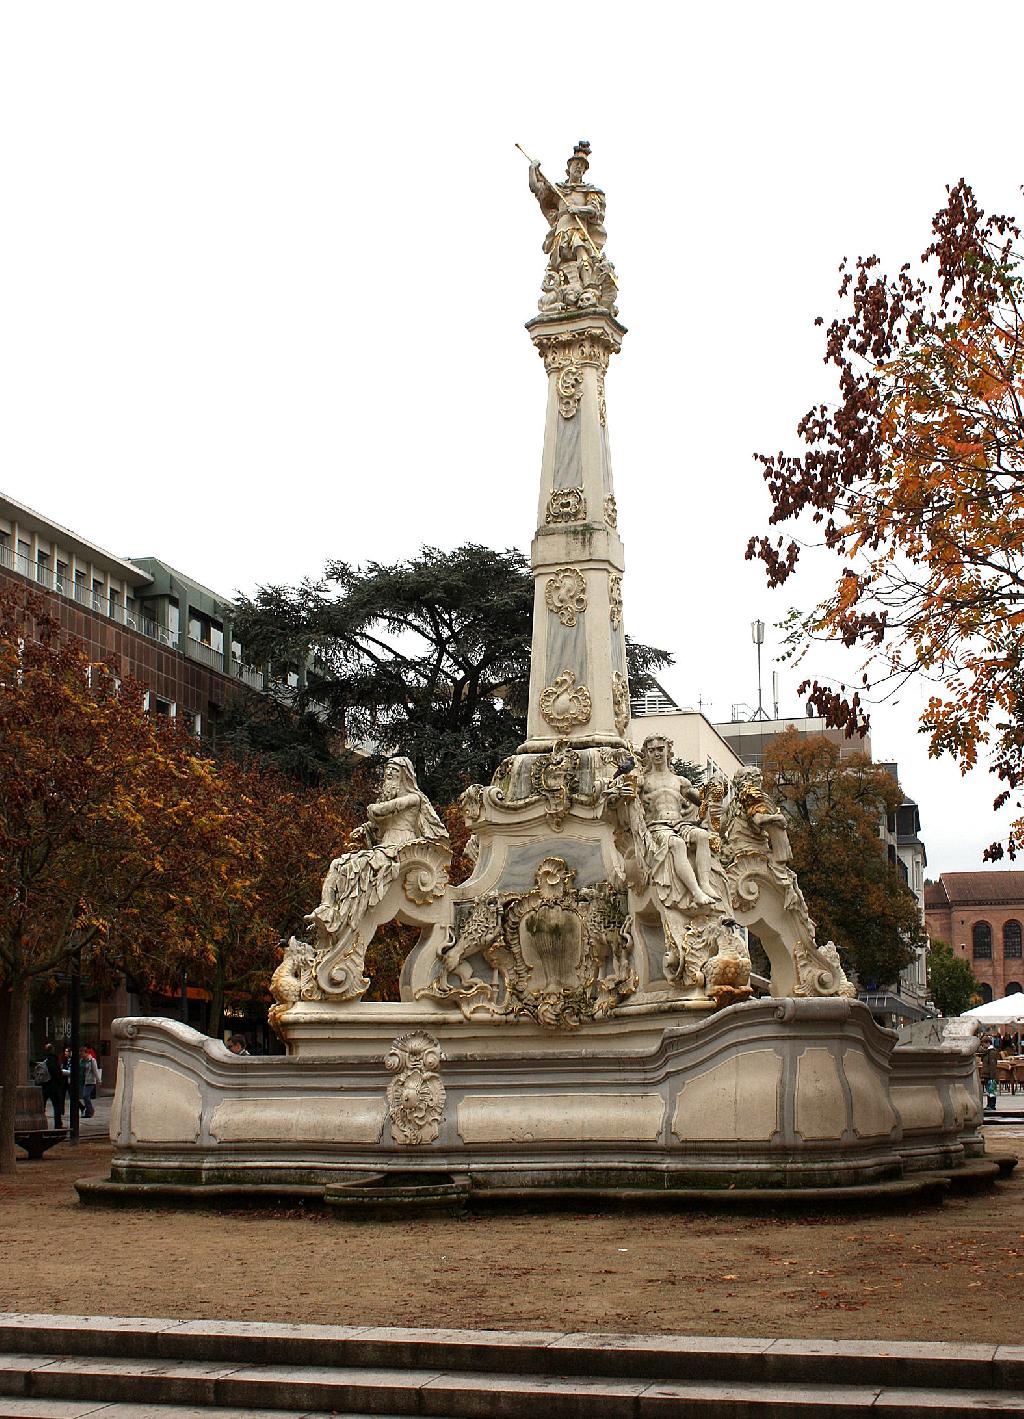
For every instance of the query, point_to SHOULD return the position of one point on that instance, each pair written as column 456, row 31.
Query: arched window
column 986, row 992
column 1014, row 988
column 981, row 939
column 1012, row 939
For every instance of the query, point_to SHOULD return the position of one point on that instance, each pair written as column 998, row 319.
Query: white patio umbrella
column 1008, row 1011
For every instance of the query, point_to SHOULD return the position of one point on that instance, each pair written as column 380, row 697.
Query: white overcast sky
column 265, row 269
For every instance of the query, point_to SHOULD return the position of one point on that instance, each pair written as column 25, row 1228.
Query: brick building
column 981, row 915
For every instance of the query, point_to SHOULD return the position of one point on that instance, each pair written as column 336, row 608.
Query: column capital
column 583, row 339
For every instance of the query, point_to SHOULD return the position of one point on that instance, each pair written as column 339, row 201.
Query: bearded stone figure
column 358, row 880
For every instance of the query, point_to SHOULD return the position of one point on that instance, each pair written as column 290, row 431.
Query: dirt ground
column 954, row 1272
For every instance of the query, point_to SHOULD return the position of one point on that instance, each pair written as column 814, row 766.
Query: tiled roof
column 935, row 895
column 968, row 887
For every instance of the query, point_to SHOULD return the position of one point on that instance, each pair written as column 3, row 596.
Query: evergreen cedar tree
column 855, row 896
column 122, row 842
column 428, row 657
column 952, row 984
column 915, row 480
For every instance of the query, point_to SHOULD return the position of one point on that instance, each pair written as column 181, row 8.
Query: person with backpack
column 53, row 1086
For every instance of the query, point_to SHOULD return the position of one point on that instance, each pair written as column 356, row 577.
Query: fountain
column 578, row 1014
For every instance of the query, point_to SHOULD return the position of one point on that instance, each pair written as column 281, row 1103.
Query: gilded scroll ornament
column 615, row 599
column 582, row 347
column 565, row 704
column 570, row 391
column 416, row 1095
column 566, row 594
column 567, row 505
column 620, row 701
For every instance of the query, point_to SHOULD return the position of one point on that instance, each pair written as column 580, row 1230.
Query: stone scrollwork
column 567, row 505
column 555, row 778
column 615, row 599
column 453, row 977
column 566, row 594
column 397, row 862
column 620, row 701
column 570, row 390
column 611, row 511
column 550, row 945
column 564, row 704
column 602, row 405
column 426, row 878
column 766, row 890
column 416, row 1095
column 561, row 954
column 592, row 348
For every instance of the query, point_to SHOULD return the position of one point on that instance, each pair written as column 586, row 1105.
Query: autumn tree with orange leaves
column 105, row 811
column 277, row 845
column 856, row 897
column 915, row 481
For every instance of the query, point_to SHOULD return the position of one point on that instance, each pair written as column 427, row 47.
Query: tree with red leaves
column 915, row 481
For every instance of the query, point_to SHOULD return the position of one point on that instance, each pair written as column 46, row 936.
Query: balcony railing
column 249, row 676
column 63, row 585
column 205, row 654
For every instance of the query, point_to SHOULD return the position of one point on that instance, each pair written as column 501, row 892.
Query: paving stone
column 908, row 1349
column 53, row 1409
column 919, row 1363
column 660, row 1401
column 46, row 1320
column 908, row 1403
column 499, row 1396
column 661, row 1356
column 329, row 1385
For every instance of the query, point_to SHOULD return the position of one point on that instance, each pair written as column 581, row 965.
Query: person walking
column 88, row 1078
column 989, row 1070
column 54, row 1088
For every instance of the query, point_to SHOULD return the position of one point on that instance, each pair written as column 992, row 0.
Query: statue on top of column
column 579, row 276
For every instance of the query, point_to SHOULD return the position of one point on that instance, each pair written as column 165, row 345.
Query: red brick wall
column 955, row 924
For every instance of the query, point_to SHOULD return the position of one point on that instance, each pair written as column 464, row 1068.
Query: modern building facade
column 154, row 623
column 749, row 738
column 981, row 915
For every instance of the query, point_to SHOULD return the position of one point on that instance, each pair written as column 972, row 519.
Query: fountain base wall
column 774, row 1094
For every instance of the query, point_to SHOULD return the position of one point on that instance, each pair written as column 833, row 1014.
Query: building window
column 43, row 568
column 986, row 992
column 62, row 575
column 1013, row 988
column 1012, row 940
column 206, row 631
column 981, row 940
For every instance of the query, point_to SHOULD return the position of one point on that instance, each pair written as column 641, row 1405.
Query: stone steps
column 112, row 1367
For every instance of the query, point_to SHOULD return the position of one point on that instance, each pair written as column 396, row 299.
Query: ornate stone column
column 578, row 680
